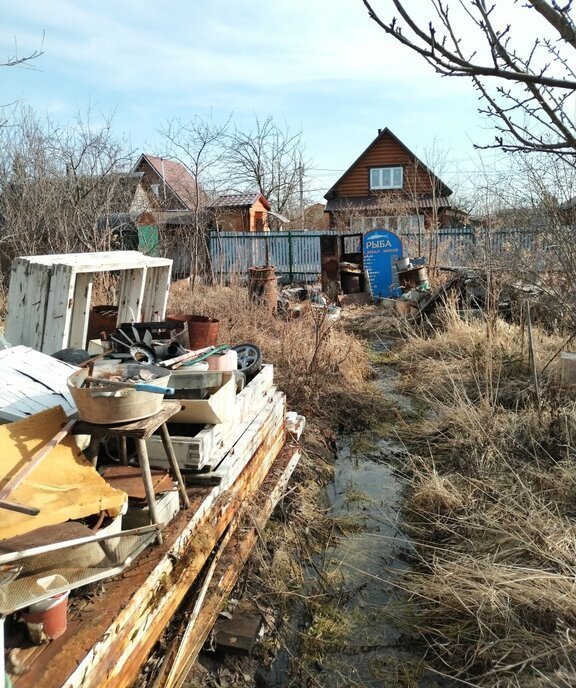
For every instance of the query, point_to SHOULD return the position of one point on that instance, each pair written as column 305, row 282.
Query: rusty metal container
column 202, row 330
column 263, row 287
column 413, row 277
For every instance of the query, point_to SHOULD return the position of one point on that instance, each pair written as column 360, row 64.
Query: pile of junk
column 413, row 285
column 181, row 352
column 88, row 511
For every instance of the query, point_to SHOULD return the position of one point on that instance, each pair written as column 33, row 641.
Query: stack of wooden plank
column 31, row 382
column 206, row 450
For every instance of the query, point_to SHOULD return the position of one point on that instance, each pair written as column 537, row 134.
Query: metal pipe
column 55, row 546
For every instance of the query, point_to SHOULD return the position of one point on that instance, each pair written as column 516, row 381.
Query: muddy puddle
column 355, row 636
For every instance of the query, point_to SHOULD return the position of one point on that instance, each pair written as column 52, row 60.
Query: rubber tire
column 72, row 355
column 249, row 358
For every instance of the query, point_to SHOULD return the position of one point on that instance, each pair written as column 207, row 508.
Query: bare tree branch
column 16, row 61
column 530, row 111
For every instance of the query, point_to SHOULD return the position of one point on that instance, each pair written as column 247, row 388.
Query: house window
column 386, row 178
column 155, row 188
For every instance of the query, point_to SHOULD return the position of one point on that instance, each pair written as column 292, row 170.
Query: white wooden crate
column 49, row 296
column 208, row 447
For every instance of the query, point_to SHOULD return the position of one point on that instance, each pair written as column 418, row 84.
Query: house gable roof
column 174, row 174
column 444, row 189
column 239, row 201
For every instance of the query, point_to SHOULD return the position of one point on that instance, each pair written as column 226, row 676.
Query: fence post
column 290, row 258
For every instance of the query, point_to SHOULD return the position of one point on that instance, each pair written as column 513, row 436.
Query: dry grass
column 322, row 369
column 491, row 507
column 479, row 359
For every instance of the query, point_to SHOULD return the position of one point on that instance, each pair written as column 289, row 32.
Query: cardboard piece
column 217, row 408
column 63, row 485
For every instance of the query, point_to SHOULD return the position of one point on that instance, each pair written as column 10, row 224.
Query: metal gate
column 295, row 255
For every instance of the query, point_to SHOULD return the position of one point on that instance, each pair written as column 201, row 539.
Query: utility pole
column 301, row 173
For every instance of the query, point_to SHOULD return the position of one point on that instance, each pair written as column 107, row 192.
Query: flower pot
column 202, row 330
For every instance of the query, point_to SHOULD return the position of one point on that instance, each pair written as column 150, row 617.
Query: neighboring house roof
column 349, row 203
column 174, row 174
column 445, row 190
column 239, row 201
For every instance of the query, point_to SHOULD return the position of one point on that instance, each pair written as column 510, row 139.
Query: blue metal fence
column 296, row 255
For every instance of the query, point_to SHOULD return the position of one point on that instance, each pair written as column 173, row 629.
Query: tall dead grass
column 491, row 506
column 322, row 369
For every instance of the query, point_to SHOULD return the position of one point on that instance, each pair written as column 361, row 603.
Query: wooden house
column 389, row 187
column 169, row 183
column 246, row 212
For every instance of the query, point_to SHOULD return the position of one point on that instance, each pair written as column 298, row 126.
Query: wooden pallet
column 206, row 450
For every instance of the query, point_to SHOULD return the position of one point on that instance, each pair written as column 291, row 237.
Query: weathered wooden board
column 229, row 566
column 155, row 299
column 131, row 295
column 211, row 444
column 81, row 310
column 31, row 382
column 112, row 641
column 95, row 262
column 59, row 309
column 38, row 289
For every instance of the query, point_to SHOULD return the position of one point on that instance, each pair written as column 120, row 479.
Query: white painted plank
column 100, row 261
column 156, row 293
column 131, row 295
column 59, row 311
column 81, row 310
column 31, row 381
column 17, row 301
column 39, row 277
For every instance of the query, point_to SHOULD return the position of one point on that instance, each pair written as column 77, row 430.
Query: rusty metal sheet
column 129, row 480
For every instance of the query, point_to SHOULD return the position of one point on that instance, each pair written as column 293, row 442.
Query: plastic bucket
column 48, row 618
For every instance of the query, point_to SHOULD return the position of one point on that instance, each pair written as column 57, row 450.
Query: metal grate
column 79, row 562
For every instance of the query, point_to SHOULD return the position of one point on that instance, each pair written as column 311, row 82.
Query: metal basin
column 106, row 405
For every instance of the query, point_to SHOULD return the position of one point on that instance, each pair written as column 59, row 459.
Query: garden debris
column 64, row 486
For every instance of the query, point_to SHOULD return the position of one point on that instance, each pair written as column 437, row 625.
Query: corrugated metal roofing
column 236, row 200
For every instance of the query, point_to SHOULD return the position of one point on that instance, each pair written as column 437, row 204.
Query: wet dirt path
column 356, row 636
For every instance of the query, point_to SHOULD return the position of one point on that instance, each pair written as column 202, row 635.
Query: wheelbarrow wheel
column 249, row 359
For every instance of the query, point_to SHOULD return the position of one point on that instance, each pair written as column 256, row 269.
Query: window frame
column 392, row 169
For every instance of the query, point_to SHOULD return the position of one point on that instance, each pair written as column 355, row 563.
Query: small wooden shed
column 49, row 297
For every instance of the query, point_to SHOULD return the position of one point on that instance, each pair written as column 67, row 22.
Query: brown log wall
column 386, row 152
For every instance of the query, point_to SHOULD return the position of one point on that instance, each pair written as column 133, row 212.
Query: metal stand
column 140, row 431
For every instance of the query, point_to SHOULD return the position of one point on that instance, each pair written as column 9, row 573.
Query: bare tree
column 268, row 158
column 57, row 183
column 525, row 89
column 199, row 144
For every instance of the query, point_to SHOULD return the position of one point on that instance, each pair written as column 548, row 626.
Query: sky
column 317, row 65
